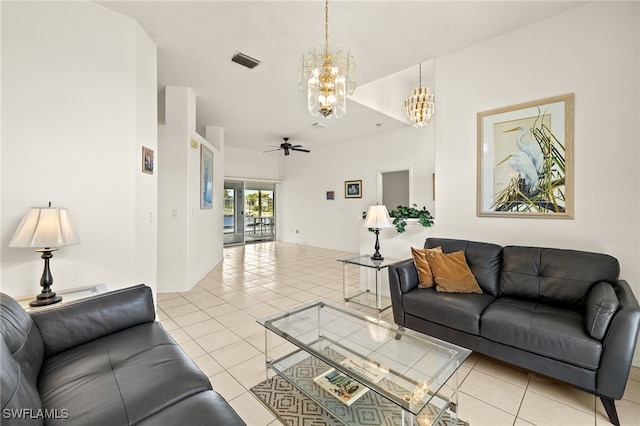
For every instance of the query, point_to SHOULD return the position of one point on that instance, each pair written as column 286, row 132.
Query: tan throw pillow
column 451, row 273
column 425, row 277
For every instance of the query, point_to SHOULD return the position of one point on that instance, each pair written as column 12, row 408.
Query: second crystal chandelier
column 419, row 106
column 327, row 76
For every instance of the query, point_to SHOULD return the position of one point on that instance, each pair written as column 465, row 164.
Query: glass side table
column 367, row 297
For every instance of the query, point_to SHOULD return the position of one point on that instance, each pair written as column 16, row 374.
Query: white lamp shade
column 45, row 227
column 378, row 218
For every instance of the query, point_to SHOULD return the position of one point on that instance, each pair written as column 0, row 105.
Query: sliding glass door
column 233, row 212
column 259, row 214
column 249, row 212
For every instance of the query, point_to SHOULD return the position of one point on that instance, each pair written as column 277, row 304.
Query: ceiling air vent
column 244, row 60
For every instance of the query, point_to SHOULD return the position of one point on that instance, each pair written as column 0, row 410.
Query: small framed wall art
column 206, row 178
column 147, row 160
column 525, row 159
column 331, row 195
column 353, row 189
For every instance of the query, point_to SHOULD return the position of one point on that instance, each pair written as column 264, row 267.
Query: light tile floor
column 215, row 323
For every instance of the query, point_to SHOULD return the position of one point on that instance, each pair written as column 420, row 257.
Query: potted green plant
column 402, row 213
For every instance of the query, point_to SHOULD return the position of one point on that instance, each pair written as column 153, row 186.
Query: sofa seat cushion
column 541, row 329
column 206, row 408
column 120, row 379
column 460, row 311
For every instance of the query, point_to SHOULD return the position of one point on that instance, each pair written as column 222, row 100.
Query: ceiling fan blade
column 299, row 149
column 271, row 150
column 296, row 146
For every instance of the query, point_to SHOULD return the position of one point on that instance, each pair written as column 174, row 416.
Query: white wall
column 591, row 51
column 204, row 249
column 337, row 224
column 146, row 189
column 78, row 95
column 190, row 241
column 213, row 241
column 242, row 164
column 173, row 145
column 500, row 73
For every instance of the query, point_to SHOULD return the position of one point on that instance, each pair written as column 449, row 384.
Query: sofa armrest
column 78, row 322
column 619, row 344
column 600, row 307
column 403, row 277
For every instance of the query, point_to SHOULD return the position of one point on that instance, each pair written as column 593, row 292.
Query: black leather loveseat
column 560, row 313
column 103, row 360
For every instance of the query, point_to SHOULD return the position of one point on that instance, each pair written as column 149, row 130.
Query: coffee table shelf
column 413, row 378
column 289, row 365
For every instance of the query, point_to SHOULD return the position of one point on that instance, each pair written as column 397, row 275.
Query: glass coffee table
column 357, row 366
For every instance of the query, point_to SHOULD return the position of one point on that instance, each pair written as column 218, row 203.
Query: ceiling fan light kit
column 327, row 77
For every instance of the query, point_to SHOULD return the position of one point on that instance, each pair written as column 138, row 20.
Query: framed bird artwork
column 525, row 159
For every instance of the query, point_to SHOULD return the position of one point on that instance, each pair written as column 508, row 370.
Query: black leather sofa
column 103, row 360
column 561, row 313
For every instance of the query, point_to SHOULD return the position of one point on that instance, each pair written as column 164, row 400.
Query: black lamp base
column 377, row 255
column 44, row 299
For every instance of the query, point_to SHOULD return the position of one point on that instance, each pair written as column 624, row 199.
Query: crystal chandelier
column 419, row 105
column 327, row 76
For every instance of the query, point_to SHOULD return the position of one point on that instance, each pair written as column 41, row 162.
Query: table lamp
column 46, row 228
column 377, row 219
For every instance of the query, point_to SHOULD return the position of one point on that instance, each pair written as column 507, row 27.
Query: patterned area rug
column 294, row 408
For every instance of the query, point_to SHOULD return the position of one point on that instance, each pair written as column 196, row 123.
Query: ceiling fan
column 287, row 147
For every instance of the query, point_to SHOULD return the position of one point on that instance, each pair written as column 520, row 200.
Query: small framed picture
column 331, row 195
column 353, row 189
column 147, row 160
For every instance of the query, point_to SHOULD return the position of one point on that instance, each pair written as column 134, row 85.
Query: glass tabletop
column 405, row 369
column 365, row 260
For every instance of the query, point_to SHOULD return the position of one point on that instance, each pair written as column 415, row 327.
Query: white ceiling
column 258, row 107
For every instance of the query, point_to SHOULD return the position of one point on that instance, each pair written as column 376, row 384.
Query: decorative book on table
column 341, row 386
column 345, row 388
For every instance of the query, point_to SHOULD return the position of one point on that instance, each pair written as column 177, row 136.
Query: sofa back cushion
column 484, row 259
column 22, row 352
column 80, row 321
column 554, row 276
